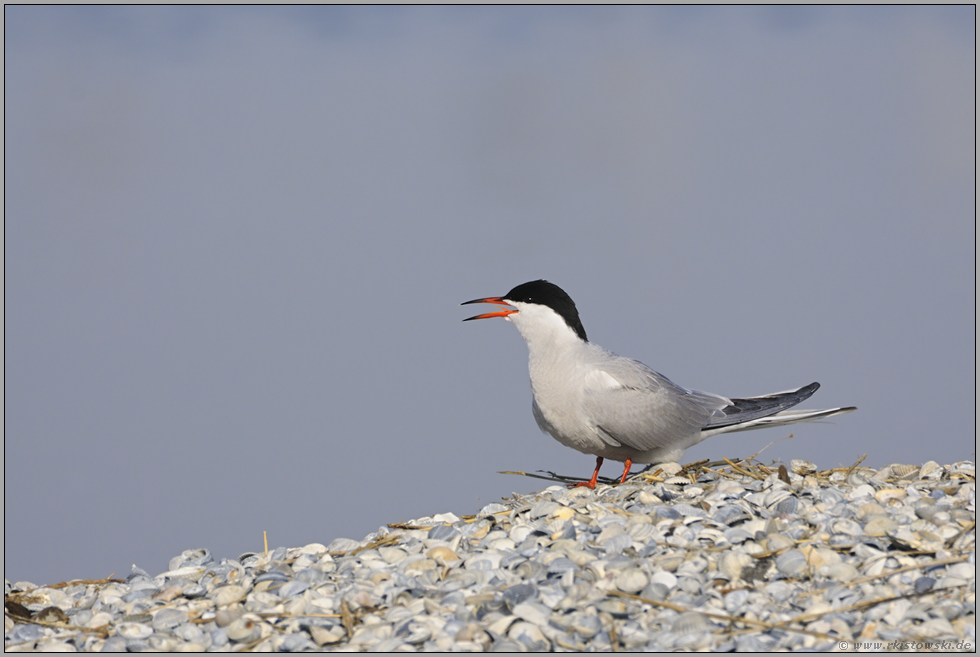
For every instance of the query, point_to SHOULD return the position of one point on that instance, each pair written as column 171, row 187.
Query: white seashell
column 730, row 513
column 198, row 557
column 392, row 554
column 519, row 533
column 791, row 563
column 879, row 526
column 529, row 635
column 416, row 565
column 342, row 545
column 670, row 562
column 492, row 509
column 967, row 468
column 963, row 570
column 869, row 510
column 846, row 526
column 532, row 612
column 167, row 620
column 801, row 467
column 732, row 563
column 887, row 494
column 133, row 630
column 736, row 535
column 690, row 622
column 323, row 636
column 413, row 632
column 859, row 492
column 838, row 572
column 776, row 542
column 787, row 506
column 632, row 580
column 709, row 537
column 586, row 625
column 227, row 595
column 543, row 509
column 693, row 565
column 442, row 555
column 618, row 543
column 934, row 628
column 818, row 557
column 642, row 532
column 901, row 471
column 663, row 577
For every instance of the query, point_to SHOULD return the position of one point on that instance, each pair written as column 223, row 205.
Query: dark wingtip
column 807, row 391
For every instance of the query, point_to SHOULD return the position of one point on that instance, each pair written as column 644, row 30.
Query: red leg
column 626, row 472
column 595, row 475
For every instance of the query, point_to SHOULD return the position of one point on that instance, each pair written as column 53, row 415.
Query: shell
column 732, row 563
column 536, row 573
column 730, row 514
column 801, row 467
column 632, row 580
column 901, row 471
column 791, row 563
column 690, row 622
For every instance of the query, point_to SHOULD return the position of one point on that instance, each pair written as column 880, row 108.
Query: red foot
column 626, row 472
column 590, row 484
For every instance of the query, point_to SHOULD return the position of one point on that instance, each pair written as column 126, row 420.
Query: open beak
column 497, row 301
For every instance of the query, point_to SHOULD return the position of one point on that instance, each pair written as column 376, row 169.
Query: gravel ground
column 701, row 557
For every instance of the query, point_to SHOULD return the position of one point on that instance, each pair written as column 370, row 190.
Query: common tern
column 617, row 408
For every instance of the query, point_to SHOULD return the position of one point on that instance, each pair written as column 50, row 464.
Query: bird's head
column 535, row 306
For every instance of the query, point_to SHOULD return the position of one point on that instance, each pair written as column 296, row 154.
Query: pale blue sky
column 236, row 238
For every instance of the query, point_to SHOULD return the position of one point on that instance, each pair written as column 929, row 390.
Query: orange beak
column 497, row 301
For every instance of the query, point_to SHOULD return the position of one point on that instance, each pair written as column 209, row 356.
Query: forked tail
column 767, row 411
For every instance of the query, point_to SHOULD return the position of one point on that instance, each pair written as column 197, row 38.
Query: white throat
column 545, row 331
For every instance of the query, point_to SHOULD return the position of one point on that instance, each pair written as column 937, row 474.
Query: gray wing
column 752, row 408
column 768, row 411
column 641, row 409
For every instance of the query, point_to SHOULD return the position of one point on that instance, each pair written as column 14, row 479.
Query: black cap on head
column 548, row 294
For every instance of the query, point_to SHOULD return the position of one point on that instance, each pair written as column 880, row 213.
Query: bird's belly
column 585, row 439
column 567, row 427
column 561, row 416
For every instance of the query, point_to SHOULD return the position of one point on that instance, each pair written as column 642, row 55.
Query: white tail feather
column 779, row 419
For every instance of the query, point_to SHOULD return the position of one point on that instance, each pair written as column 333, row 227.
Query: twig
column 855, row 465
column 778, row 440
column 965, row 530
column 556, row 477
column 346, row 618
column 722, row 617
column 805, row 618
column 690, row 467
column 744, row 472
column 381, row 541
column 61, row 585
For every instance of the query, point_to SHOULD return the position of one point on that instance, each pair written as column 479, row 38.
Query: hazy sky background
column 236, row 240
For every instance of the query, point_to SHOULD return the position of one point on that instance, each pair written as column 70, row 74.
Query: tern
column 617, row 408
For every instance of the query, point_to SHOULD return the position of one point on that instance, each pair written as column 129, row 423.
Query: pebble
column 720, row 561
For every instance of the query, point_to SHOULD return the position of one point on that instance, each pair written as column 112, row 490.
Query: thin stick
column 856, row 464
column 722, row 617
